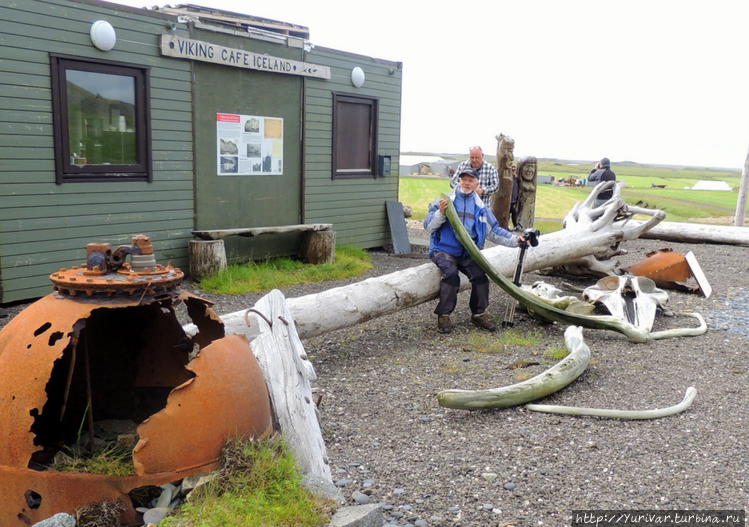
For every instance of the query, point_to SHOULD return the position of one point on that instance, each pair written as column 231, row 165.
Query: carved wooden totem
column 503, row 197
column 526, row 203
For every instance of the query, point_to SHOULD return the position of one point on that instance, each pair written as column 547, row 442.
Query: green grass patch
column 485, row 343
column 482, row 342
column 552, row 202
column 514, row 337
column 255, row 277
column 259, row 484
column 418, row 193
column 110, row 459
column 545, row 225
column 556, row 353
column 453, row 367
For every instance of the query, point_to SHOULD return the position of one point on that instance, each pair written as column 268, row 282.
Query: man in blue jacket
column 446, row 251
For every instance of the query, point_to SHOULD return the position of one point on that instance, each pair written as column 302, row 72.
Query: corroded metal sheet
column 65, row 491
column 219, row 395
column 29, row 346
column 226, row 399
column 672, row 269
column 663, row 266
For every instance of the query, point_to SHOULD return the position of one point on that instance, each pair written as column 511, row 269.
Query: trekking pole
column 531, row 238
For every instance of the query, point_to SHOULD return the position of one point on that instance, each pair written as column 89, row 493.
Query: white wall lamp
column 103, row 35
column 357, row 77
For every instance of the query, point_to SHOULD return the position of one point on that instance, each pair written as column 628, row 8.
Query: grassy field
column 553, row 202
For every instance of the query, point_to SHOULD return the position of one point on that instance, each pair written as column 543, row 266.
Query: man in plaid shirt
column 488, row 178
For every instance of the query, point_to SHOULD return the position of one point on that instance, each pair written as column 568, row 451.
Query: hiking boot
column 443, row 324
column 484, row 322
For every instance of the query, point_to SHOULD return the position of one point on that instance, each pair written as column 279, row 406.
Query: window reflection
column 101, row 118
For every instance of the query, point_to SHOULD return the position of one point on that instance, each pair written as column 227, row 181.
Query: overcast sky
column 651, row 81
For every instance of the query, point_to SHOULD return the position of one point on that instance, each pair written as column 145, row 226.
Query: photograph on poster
column 252, row 125
column 254, row 150
column 229, row 147
column 249, row 145
column 229, row 164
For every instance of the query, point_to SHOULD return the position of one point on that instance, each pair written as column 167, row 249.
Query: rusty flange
column 106, row 273
column 79, row 280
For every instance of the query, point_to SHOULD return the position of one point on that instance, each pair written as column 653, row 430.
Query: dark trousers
column 449, row 267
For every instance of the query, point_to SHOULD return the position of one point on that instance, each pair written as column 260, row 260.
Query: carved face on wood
column 529, row 171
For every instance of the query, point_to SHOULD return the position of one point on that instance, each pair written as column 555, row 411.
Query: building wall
column 355, row 207
column 44, row 226
column 225, row 202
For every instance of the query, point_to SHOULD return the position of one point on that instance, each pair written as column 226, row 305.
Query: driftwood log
column 288, row 375
column 697, row 233
column 206, row 257
column 586, row 218
column 346, row 306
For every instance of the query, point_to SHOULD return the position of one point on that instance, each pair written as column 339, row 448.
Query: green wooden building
column 192, row 119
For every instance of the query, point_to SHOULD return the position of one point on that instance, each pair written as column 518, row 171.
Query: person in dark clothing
column 601, row 173
column 448, row 253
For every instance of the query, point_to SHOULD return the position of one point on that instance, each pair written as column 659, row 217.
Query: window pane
column 354, row 139
column 101, row 118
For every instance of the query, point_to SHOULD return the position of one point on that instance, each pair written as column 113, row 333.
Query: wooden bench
column 207, row 253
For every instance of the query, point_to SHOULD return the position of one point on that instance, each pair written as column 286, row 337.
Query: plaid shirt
column 488, row 177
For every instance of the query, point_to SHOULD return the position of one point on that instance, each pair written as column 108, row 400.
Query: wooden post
column 503, row 196
column 741, row 201
column 318, row 247
column 207, row 257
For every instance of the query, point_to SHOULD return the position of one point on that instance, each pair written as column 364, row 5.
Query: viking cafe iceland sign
column 185, row 48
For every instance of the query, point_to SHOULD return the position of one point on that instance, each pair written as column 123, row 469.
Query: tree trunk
column 207, row 257
column 503, row 197
column 697, row 233
column 318, row 247
column 743, row 189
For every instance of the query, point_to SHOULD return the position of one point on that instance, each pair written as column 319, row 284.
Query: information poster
column 249, row 145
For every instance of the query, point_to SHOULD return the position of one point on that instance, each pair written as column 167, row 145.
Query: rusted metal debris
column 673, row 270
column 106, row 271
column 140, row 367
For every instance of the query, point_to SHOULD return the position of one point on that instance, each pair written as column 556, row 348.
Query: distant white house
column 409, row 159
column 418, row 164
column 711, row 185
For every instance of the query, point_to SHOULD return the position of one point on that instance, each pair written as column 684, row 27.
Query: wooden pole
column 89, row 395
column 503, row 196
column 743, row 189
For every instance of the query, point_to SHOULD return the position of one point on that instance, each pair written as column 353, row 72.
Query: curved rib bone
column 618, row 414
column 543, row 384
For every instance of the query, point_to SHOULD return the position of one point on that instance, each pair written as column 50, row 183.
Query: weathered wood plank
column 216, row 234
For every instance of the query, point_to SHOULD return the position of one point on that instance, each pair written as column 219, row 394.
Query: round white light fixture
column 357, row 77
column 103, row 35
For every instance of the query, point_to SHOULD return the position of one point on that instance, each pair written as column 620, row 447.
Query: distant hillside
column 581, row 162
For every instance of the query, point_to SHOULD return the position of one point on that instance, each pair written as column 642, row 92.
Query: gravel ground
column 515, row 467
column 389, row 439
